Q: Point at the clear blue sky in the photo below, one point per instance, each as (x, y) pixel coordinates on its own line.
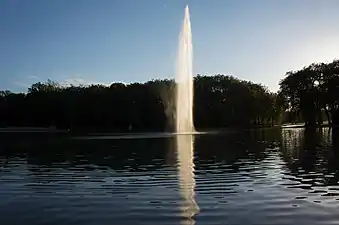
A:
(103, 41)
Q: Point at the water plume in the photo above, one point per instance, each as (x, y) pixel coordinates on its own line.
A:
(184, 79)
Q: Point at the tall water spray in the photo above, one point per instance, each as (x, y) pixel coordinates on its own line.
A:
(184, 79)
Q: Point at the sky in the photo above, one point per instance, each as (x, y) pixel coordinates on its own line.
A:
(106, 41)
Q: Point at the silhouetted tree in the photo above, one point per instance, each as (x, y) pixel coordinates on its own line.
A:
(219, 101)
(313, 92)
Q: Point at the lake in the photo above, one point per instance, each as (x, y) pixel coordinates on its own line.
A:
(267, 176)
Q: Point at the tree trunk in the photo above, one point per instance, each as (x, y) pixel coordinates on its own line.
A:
(268, 120)
(335, 119)
(319, 117)
(335, 138)
(328, 115)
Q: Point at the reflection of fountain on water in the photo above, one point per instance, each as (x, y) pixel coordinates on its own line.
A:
(185, 156)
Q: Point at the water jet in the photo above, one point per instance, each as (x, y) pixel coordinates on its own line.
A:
(184, 78)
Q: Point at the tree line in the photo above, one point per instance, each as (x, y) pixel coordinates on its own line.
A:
(219, 101)
(311, 94)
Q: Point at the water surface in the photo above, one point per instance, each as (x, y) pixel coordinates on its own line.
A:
(268, 176)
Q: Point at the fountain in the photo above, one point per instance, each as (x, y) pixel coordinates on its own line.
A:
(184, 121)
(184, 79)
(184, 92)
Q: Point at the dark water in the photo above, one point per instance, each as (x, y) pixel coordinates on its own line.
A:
(259, 177)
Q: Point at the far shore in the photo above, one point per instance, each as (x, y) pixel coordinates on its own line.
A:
(31, 130)
(198, 131)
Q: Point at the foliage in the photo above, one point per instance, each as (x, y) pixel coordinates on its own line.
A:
(313, 92)
(219, 101)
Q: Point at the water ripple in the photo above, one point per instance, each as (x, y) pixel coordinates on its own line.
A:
(277, 177)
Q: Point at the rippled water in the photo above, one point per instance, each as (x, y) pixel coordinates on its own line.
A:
(269, 176)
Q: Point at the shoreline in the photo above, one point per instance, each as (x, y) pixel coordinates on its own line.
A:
(31, 130)
(76, 132)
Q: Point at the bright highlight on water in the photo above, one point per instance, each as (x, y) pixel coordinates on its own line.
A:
(184, 79)
(185, 156)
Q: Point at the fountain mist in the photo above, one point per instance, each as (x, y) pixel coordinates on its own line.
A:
(184, 79)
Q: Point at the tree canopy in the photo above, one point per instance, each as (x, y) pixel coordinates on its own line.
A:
(313, 92)
(219, 101)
